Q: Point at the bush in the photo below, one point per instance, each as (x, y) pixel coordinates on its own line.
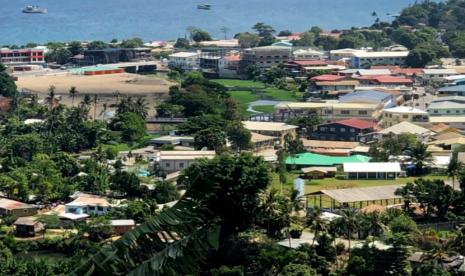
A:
(340, 247)
(296, 231)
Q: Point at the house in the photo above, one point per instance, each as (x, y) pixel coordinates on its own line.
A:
(457, 122)
(307, 54)
(344, 130)
(346, 53)
(447, 106)
(209, 64)
(318, 172)
(319, 160)
(148, 153)
(437, 75)
(366, 59)
(331, 111)
(85, 205)
(265, 57)
(369, 96)
(405, 127)
(385, 81)
(21, 56)
(274, 129)
(121, 226)
(334, 88)
(372, 170)
(328, 77)
(228, 66)
(187, 61)
(297, 67)
(28, 227)
(185, 141)
(372, 72)
(454, 90)
(173, 161)
(395, 115)
(16, 208)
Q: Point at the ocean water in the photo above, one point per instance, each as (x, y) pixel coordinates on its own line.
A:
(168, 19)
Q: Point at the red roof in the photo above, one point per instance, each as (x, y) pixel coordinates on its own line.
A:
(310, 62)
(407, 71)
(356, 123)
(233, 58)
(327, 77)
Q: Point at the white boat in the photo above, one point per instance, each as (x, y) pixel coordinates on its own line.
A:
(204, 6)
(34, 9)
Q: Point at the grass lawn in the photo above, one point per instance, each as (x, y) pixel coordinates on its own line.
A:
(239, 83)
(281, 95)
(244, 98)
(117, 147)
(264, 108)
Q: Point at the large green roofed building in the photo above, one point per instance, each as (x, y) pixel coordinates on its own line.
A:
(313, 159)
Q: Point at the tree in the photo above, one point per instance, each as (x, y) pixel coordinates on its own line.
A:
(263, 30)
(97, 45)
(7, 85)
(200, 35)
(306, 39)
(349, 223)
(165, 192)
(210, 138)
(169, 110)
(293, 145)
(126, 183)
(454, 168)
(75, 47)
(132, 43)
(418, 155)
(239, 136)
(131, 125)
(59, 55)
(73, 92)
(248, 40)
(182, 43)
(225, 31)
(298, 270)
(316, 224)
(419, 58)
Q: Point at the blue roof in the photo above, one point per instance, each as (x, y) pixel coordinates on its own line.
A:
(453, 88)
(371, 96)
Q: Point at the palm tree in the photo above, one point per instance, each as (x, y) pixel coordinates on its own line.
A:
(73, 93)
(116, 94)
(317, 224)
(95, 106)
(225, 31)
(270, 206)
(104, 111)
(418, 155)
(454, 167)
(439, 254)
(51, 94)
(141, 107)
(349, 222)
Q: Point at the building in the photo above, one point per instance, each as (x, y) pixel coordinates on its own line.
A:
(331, 111)
(85, 205)
(173, 161)
(454, 90)
(318, 172)
(457, 122)
(121, 226)
(334, 88)
(437, 75)
(187, 61)
(113, 55)
(28, 227)
(307, 54)
(21, 56)
(447, 106)
(303, 160)
(273, 129)
(344, 53)
(406, 127)
(262, 142)
(395, 115)
(209, 64)
(372, 170)
(373, 72)
(369, 96)
(265, 57)
(16, 208)
(334, 148)
(185, 141)
(229, 66)
(345, 130)
(385, 81)
(367, 59)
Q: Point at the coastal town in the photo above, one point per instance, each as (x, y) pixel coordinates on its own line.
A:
(323, 152)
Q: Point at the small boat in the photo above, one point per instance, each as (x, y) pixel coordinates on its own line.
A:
(204, 6)
(34, 9)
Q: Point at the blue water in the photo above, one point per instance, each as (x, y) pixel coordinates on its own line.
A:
(168, 19)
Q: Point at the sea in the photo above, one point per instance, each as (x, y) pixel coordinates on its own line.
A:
(168, 19)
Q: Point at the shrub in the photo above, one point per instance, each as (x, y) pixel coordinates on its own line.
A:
(295, 231)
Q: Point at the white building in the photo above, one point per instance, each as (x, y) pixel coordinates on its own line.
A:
(185, 60)
(438, 74)
(307, 54)
(372, 170)
(173, 161)
(366, 59)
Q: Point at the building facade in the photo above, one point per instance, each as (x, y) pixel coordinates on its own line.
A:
(21, 56)
(396, 115)
(265, 57)
(345, 130)
(367, 59)
(187, 61)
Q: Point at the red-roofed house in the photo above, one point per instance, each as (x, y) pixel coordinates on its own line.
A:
(387, 81)
(16, 208)
(327, 77)
(345, 130)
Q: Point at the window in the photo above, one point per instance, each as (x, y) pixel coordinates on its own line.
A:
(435, 112)
(99, 208)
(363, 112)
(322, 128)
(343, 129)
(332, 129)
(448, 111)
(405, 116)
(345, 112)
(167, 165)
(457, 111)
(352, 130)
(328, 112)
(181, 165)
(91, 208)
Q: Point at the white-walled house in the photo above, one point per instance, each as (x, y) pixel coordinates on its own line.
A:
(185, 60)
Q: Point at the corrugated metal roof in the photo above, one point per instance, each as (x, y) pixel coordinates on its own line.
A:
(313, 159)
(392, 167)
(362, 194)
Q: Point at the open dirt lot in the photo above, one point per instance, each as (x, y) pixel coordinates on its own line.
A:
(153, 88)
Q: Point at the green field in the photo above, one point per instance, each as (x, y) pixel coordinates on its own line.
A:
(281, 95)
(264, 108)
(240, 83)
(243, 98)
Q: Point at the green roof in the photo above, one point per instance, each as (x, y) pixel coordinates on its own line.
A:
(313, 159)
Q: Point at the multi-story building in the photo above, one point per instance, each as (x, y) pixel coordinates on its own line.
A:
(366, 59)
(344, 130)
(307, 54)
(447, 106)
(184, 60)
(273, 129)
(21, 56)
(453, 90)
(266, 57)
(437, 75)
(229, 66)
(396, 115)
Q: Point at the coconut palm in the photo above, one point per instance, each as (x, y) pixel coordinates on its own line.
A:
(73, 93)
(51, 94)
(349, 223)
(225, 31)
(317, 224)
(116, 94)
(439, 254)
(454, 167)
(95, 99)
(418, 155)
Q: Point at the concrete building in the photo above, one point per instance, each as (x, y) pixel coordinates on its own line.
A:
(185, 141)
(113, 55)
(405, 127)
(347, 53)
(437, 75)
(307, 54)
(395, 115)
(369, 96)
(457, 122)
(21, 56)
(366, 59)
(173, 161)
(447, 106)
(344, 130)
(372, 170)
(187, 61)
(454, 90)
(85, 205)
(273, 129)
(331, 111)
(229, 66)
(265, 57)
